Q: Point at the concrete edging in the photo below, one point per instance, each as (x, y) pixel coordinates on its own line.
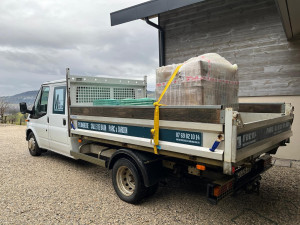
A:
(286, 163)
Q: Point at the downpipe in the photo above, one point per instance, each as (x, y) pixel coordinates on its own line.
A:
(161, 38)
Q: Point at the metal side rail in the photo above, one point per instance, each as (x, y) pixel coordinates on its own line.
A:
(91, 159)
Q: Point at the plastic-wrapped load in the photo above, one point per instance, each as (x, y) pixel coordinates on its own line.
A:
(208, 79)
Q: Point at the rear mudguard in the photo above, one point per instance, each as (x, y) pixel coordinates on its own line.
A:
(149, 165)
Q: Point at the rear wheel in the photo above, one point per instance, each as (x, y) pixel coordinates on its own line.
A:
(127, 181)
(33, 147)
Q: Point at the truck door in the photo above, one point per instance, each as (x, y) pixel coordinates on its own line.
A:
(58, 132)
(39, 117)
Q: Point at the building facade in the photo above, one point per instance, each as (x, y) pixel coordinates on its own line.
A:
(260, 36)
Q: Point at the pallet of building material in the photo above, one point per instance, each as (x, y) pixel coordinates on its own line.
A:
(208, 79)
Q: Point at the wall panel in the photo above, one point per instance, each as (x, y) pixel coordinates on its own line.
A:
(248, 33)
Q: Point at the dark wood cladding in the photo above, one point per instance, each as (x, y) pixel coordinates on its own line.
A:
(171, 114)
(248, 33)
(261, 108)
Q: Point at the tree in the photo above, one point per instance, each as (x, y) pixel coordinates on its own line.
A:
(3, 107)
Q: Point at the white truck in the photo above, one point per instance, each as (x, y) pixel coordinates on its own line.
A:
(230, 149)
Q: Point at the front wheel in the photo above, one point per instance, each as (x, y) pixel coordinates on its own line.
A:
(33, 147)
(127, 181)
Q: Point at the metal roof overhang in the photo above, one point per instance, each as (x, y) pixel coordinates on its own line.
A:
(288, 10)
(147, 9)
(290, 16)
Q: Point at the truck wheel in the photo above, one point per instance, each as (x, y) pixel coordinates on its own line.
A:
(127, 181)
(33, 146)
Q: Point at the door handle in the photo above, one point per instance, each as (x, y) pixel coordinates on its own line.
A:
(47, 119)
(64, 122)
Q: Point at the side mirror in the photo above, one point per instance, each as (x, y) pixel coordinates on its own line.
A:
(23, 108)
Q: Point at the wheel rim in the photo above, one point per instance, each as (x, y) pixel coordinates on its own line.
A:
(31, 144)
(125, 181)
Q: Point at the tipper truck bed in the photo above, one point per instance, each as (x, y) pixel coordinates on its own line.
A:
(228, 148)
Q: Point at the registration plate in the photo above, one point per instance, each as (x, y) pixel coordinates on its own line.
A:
(242, 172)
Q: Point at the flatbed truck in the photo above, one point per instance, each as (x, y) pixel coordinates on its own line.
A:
(229, 149)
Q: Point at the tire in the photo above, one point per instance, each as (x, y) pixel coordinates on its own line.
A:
(127, 181)
(33, 147)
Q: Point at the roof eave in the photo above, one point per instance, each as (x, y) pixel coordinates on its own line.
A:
(147, 9)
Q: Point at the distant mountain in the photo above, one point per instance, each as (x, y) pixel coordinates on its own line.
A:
(13, 101)
(28, 97)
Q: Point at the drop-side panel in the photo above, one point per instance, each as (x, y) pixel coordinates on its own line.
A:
(259, 137)
(201, 114)
(194, 142)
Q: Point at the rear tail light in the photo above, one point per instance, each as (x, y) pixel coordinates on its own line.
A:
(217, 191)
(233, 169)
(221, 191)
(201, 167)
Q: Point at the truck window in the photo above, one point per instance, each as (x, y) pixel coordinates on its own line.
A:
(41, 103)
(59, 98)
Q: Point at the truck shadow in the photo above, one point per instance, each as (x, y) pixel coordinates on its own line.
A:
(55, 156)
(272, 206)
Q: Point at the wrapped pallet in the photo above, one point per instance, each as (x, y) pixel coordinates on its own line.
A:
(208, 79)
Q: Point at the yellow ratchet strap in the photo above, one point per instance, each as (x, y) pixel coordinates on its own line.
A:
(155, 130)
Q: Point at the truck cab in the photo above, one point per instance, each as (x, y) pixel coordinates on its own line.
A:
(47, 122)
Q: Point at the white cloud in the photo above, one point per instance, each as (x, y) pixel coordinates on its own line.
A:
(39, 39)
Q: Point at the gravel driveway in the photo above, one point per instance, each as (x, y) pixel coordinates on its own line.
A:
(54, 189)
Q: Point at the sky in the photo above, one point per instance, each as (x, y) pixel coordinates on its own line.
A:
(41, 38)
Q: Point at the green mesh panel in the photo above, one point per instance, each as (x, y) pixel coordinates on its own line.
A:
(128, 101)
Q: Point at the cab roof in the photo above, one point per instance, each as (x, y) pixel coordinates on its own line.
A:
(55, 81)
